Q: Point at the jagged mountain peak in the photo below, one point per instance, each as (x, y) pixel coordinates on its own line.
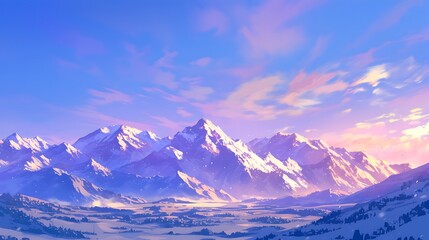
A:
(295, 136)
(122, 135)
(202, 129)
(66, 147)
(98, 168)
(118, 145)
(17, 142)
(13, 137)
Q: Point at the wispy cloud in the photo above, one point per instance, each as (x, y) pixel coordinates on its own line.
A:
(108, 96)
(172, 125)
(212, 19)
(198, 93)
(247, 71)
(416, 132)
(184, 113)
(373, 76)
(313, 84)
(160, 72)
(388, 19)
(247, 101)
(83, 45)
(319, 48)
(202, 62)
(102, 119)
(166, 60)
(269, 30)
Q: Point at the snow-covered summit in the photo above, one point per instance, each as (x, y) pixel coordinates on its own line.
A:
(115, 146)
(36, 144)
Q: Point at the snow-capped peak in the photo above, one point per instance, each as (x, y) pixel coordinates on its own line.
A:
(148, 135)
(68, 148)
(117, 145)
(204, 130)
(173, 152)
(207, 138)
(59, 172)
(98, 168)
(295, 138)
(17, 142)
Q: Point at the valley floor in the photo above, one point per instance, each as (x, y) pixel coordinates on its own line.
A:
(171, 221)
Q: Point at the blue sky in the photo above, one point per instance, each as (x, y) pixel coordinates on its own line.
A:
(354, 73)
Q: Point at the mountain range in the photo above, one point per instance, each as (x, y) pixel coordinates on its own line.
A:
(124, 164)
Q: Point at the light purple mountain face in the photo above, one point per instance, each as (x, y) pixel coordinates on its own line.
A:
(129, 161)
(176, 184)
(395, 208)
(116, 146)
(314, 199)
(20, 152)
(394, 183)
(56, 185)
(205, 152)
(322, 166)
(400, 168)
(64, 156)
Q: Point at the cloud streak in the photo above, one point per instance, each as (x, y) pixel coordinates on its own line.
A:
(108, 96)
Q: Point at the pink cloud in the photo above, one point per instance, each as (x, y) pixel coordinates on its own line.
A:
(267, 32)
(304, 89)
(212, 19)
(108, 96)
(166, 95)
(394, 15)
(202, 62)
(245, 101)
(101, 119)
(182, 112)
(172, 125)
(363, 59)
(83, 45)
(164, 78)
(388, 19)
(318, 48)
(417, 99)
(417, 38)
(305, 82)
(273, 42)
(166, 60)
(331, 88)
(66, 64)
(197, 93)
(378, 139)
(159, 72)
(246, 72)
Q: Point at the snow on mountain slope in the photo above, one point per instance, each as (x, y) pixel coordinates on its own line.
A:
(17, 142)
(285, 164)
(290, 171)
(64, 156)
(156, 187)
(164, 163)
(323, 166)
(400, 211)
(204, 151)
(54, 184)
(295, 146)
(15, 148)
(205, 191)
(205, 138)
(392, 184)
(118, 145)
